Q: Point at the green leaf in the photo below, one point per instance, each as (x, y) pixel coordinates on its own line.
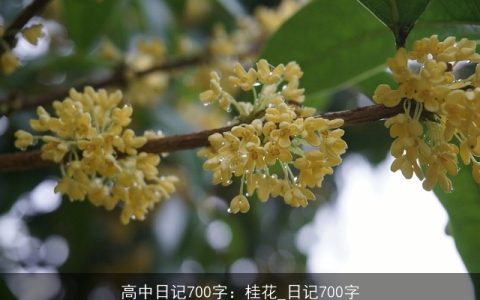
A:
(345, 40)
(177, 6)
(340, 44)
(460, 18)
(398, 15)
(461, 11)
(86, 20)
(463, 208)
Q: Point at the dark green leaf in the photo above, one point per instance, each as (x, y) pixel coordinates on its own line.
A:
(463, 208)
(355, 51)
(340, 44)
(460, 18)
(177, 6)
(86, 20)
(398, 15)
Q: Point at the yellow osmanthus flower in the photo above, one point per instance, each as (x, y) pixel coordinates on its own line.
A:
(98, 155)
(144, 89)
(229, 47)
(108, 51)
(33, 33)
(273, 140)
(8, 62)
(440, 111)
(23, 139)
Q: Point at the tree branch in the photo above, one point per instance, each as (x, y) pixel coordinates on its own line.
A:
(29, 160)
(27, 13)
(116, 78)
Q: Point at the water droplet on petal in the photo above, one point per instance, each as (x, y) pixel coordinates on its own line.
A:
(229, 211)
(247, 194)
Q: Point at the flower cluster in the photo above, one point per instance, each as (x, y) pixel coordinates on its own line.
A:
(440, 120)
(142, 89)
(99, 157)
(8, 61)
(268, 153)
(280, 86)
(227, 48)
(272, 19)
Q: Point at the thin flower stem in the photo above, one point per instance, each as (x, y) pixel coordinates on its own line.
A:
(242, 184)
(284, 169)
(290, 173)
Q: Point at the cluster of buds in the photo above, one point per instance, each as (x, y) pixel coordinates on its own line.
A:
(8, 61)
(144, 89)
(269, 153)
(280, 86)
(440, 120)
(99, 157)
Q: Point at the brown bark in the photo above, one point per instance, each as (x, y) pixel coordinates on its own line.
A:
(29, 160)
